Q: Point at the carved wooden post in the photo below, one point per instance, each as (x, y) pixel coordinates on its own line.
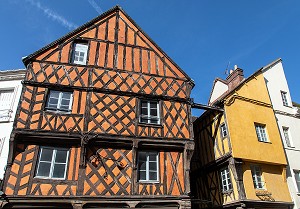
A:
(82, 164)
(188, 153)
(237, 168)
(134, 178)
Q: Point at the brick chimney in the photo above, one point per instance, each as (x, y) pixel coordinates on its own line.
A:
(235, 77)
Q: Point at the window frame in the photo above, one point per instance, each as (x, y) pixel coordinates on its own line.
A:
(227, 179)
(297, 175)
(80, 44)
(261, 136)
(287, 136)
(284, 98)
(58, 105)
(53, 158)
(5, 114)
(147, 167)
(257, 177)
(222, 130)
(149, 117)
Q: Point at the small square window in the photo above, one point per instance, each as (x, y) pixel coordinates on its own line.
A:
(261, 132)
(297, 178)
(223, 130)
(80, 53)
(286, 135)
(225, 180)
(284, 98)
(257, 177)
(59, 101)
(148, 166)
(52, 163)
(149, 112)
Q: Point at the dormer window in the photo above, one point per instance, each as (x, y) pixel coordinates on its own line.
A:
(80, 53)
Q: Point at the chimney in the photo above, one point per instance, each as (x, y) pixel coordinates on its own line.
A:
(235, 77)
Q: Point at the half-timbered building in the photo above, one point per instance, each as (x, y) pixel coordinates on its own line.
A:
(104, 120)
(239, 161)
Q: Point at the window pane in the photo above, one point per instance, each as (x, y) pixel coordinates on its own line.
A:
(152, 175)
(144, 111)
(155, 121)
(142, 165)
(66, 95)
(143, 120)
(54, 94)
(61, 156)
(152, 166)
(65, 102)
(142, 175)
(59, 171)
(46, 155)
(153, 105)
(44, 169)
(144, 104)
(153, 112)
(142, 156)
(152, 156)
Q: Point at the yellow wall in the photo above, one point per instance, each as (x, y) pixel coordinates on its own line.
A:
(241, 115)
(274, 178)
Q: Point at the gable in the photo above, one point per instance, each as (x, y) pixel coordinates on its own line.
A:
(115, 42)
(219, 88)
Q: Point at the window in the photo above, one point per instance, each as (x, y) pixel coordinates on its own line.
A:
(297, 178)
(149, 112)
(257, 177)
(2, 140)
(80, 53)
(286, 136)
(60, 100)
(148, 166)
(52, 163)
(223, 130)
(261, 132)
(284, 98)
(6, 99)
(225, 179)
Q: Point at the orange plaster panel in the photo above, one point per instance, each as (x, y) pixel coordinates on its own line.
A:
(65, 53)
(130, 36)
(120, 57)
(92, 54)
(89, 34)
(54, 57)
(111, 29)
(128, 64)
(145, 65)
(137, 64)
(46, 53)
(101, 31)
(101, 58)
(110, 56)
(152, 63)
(121, 35)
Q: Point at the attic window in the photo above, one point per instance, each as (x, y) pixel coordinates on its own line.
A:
(79, 54)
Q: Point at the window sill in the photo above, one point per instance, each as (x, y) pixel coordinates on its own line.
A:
(268, 142)
(148, 182)
(151, 124)
(58, 112)
(227, 192)
(298, 193)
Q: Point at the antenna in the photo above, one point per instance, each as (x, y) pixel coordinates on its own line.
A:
(226, 71)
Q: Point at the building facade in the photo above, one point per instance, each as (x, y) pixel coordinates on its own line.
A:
(288, 119)
(239, 161)
(10, 90)
(104, 121)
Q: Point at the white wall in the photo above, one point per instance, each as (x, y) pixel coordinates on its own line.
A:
(6, 123)
(285, 115)
(219, 88)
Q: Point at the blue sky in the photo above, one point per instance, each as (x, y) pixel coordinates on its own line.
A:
(201, 36)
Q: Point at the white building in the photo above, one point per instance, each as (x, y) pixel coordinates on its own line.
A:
(288, 119)
(10, 91)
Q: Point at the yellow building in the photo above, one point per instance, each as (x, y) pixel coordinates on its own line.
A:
(239, 161)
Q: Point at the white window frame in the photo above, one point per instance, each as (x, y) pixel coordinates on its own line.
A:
(149, 117)
(257, 177)
(147, 153)
(287, 136)
(58, 105)
(80, 48)
(297, 179)
(54, 151)
(261, 132)
(284, 98)
(224, 131)
(5, 112)
(226, 180)
(2, 141)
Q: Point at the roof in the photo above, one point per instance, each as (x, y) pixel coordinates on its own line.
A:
(260, 70)
(91, 22)
(15, 74)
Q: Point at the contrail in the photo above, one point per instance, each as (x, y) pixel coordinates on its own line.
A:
(95, 6)
(53, 15)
